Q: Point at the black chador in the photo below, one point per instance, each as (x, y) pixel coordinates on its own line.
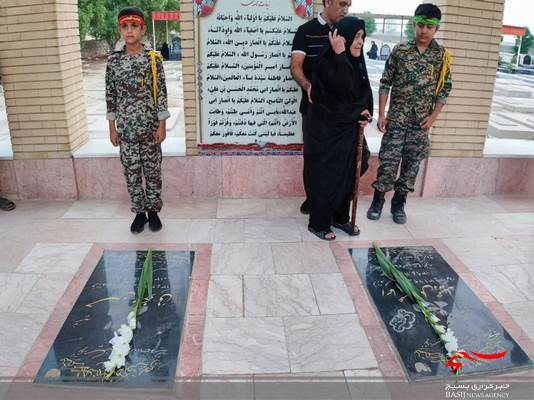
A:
(340, 92)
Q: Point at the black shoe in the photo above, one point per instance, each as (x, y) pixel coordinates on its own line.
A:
(397, 207)
(375, 210)
(347, 228)
(154, 223)
(322, 234)
(138, 223)
(305, 207)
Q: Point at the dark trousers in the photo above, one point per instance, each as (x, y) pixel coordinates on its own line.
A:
(304, 157)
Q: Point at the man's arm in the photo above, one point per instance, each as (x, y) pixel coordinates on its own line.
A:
(385, 86)
(111, 94)
(441, 100)
(298, 55)
(382, 101)
(161, 133)
(111, 105)
(163, 112)
(297, 72)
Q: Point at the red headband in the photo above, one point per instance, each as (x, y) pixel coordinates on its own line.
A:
(136, 19)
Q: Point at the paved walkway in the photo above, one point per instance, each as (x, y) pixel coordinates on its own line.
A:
(278, 302)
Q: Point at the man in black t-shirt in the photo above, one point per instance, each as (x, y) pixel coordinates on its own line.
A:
(307, 44)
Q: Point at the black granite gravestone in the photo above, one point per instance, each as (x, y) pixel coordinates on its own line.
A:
(82, 345)
(450, 299)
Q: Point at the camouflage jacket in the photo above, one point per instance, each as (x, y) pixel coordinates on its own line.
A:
(412, 78)
(130, 95)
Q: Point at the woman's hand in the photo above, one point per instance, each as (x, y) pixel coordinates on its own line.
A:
(365, 122)
(337, 42)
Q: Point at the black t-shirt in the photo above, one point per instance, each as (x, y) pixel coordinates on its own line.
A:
(309, 39)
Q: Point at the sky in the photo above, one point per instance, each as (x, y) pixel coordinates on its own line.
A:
(516, 12)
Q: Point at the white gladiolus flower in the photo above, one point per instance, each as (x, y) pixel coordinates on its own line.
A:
(118, 359)
(126, 332)
(123, 336)
(109, 366)
(130, 316)
(434, 318)
(439, 329)
(121, 348)
(451, 347)
(451, 343)
(118, 340)
(132, 322)
(448, 336)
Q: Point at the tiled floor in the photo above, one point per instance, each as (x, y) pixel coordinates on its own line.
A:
(278, 302)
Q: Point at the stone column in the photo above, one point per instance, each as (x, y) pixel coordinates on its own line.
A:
(187, 28)
(471, 30)
(41, 71)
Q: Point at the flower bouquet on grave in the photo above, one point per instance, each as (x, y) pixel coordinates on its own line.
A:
(123, 336)
(445, 334)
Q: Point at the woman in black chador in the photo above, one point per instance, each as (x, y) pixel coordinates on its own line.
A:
(341, 101)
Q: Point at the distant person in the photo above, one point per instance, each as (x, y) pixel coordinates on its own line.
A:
(373, 52)
(136, 98)
(527, 60)
(307, 44)
(165, 51)
(418, 75)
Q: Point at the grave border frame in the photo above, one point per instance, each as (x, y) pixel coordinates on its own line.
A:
(389, 362)
(189, 363)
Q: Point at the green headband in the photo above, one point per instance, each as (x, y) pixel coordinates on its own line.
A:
(421, 19)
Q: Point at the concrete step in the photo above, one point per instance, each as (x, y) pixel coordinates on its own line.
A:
(500, 126)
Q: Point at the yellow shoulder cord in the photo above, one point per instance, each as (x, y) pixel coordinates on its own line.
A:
(445, 68)
(153, 56)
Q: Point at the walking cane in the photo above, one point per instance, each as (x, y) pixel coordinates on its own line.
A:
(359, 151)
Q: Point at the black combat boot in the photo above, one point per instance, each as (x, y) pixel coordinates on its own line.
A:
(397, 207)
(154, 223)
(138, 223)
(375, 210)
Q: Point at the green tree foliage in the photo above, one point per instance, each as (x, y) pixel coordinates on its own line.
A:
(409, 31)
(98, 18)
(370, 24)
(91, 12)
(527, 42)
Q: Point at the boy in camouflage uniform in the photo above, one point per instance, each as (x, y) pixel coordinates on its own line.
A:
(136, 99)
(418, 75)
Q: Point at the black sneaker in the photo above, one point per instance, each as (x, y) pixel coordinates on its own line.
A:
(154, 223)
(138, 223)
(397, 207)
(375, 210)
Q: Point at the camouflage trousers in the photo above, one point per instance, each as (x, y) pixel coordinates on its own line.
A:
(405, 144)
(142, 160)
